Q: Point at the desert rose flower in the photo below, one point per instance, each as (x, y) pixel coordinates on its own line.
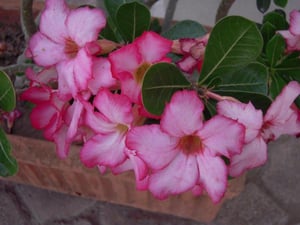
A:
(183, 152)
(292, 36)
(130, 62)
(60, 41)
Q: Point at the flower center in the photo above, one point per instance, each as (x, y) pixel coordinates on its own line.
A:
(71, 48)
(190, 144)
(122, 128)
(140, 72)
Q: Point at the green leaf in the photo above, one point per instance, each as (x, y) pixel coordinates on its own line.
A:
(275, 49)
(276, 85)
(277, 20)
(185, 29)
(263, 5)
(7, 93)
(234, 42)
(8, 165)
(112, 7)
(267, 30)
(110, 32)
(132, 20)
(251, 79)
(281, 3)
(161, 81)
(290, 67)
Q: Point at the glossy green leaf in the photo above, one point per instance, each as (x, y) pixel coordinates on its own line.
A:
(277, 20)
(251, 79)
(7, 93)
(276, 85)
(290, 67)
(132, 20)
(268, 30)
(112, 6)
(161, 81)
(185, 29)
(275, 50)
(281, 3)
(263, 5)
(8, 165)
(234, 43)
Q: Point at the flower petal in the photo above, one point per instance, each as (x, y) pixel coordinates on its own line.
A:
(179, 176)
(104, 149)
(77, 113)
(222, 136)
(42, 115)
(44, 51)
(61, 142)
(153, 146)
(294, 22)
(36, 95)
(213, 176)
(183, 115)
(152, 46)
(281, 117)
(245, 114)
(52, 23)
(254, 154)
(116, 108)
(84, 24)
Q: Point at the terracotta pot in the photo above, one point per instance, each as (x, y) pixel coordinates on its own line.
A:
(40, 167)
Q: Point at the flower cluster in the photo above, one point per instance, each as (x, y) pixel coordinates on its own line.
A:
(89, 91)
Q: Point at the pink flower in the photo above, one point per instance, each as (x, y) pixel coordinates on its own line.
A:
(183, 152)
(193, 50)
(61, 41)
(110, 123)
(292, 36)
(254, 152)
(130, 62)
(282, 116)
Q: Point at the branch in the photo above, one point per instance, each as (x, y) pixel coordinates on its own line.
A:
(27, 20)
(223, 9)
(169, 14)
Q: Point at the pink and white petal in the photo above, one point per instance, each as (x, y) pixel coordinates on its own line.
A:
(62, 143)
(104, 149)
(156, 148)
(47, 75)
(44, 51)
(186, 44)
(125, 59)
(197, 190)
(213, 176)
(294, 22)
(98, 123)
(254, 154)
(222, 136)
(187, 64)
(102, 76)
(152, 46)
(42, 115)
(183, 115)
(82, 72)
(292, 41)
(66, 82)
(53, 18)
(116, 108)
(131, 89)
(84, 24)
(180, 175)
(77, 114)
(245, 114)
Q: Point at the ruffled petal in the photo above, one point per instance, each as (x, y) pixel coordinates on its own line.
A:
(179, 176)
(254, 154)
(131, 89)
(44, 51)
(53, 18)
(183, 115)
(116, 108)
(213, 176)
(36, 95)
(42, 115)
(77, 114)
(84, 24)
(62, 143)
(245, 114)
(66, 82)
(152, 46)
(222, 136)
(153, 146)
(105, 150)
(281, 117)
